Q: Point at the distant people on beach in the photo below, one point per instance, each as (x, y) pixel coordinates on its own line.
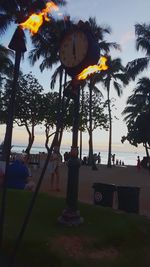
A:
(55, 162)
(138, 163)
(99, 158)
(119, 162)
(18, 174)
(94, 159)
(113, 159)
(85, 161)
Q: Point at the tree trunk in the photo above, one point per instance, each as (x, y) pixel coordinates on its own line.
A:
(30, 140)
(47, 137)
(59, 108)
(81, 114)
(90, 148)
(110, 126)
(80, 145)
(90, 127)
(61, 115)
(60, 136)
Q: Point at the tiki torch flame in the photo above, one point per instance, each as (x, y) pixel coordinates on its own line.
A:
(34, 22)
(92, 69)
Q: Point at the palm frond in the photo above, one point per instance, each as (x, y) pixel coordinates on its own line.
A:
(122, 77)
(105, 47)
(5, 21)
(118, 88)
(55, 75)
(136, 66)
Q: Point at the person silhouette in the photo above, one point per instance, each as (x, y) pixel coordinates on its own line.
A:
(55, 161)
(138, 163)
(18, 173)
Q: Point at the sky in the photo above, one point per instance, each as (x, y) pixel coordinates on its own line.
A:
(121, 16)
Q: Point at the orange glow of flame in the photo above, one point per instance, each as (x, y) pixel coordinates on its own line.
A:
(34, 22)
(92, 69)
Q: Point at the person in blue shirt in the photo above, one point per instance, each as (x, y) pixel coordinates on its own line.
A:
(18, 173)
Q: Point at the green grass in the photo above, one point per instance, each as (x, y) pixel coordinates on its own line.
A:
(103, 231)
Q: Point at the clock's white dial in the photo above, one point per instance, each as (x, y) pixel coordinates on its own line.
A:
(73, 49)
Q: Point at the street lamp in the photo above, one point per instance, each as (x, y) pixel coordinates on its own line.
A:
(78, 50)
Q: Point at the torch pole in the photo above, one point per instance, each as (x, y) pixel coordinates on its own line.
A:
(19, 47)
(7, 142)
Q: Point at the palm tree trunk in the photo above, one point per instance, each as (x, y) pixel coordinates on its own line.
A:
(90, 148)
(81, 114)
(59, 109)
(61, 115)
(90, 127)
(80, 145)
(110, 127)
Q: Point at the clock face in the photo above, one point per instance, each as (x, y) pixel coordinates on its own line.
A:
(73, 49)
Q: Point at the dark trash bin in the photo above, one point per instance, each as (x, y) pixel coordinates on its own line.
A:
(128, 198)
(103, 194)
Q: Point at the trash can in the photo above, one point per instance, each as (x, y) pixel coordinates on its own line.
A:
(103, 194)
(128, 198)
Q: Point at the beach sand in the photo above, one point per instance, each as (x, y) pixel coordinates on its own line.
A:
(118, 175)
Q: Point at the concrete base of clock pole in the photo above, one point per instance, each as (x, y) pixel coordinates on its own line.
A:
(71, 215)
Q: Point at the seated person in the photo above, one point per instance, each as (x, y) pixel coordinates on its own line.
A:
(18, 174)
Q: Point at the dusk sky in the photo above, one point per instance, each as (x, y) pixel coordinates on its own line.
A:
(121, 16)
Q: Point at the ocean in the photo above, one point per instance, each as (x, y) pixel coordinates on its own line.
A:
(129, 158)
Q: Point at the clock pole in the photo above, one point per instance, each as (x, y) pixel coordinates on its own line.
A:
(71, 215)
(78, 50)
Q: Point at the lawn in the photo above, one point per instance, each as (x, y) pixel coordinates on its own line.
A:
(107, 238)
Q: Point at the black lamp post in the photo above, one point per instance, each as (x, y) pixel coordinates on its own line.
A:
(17, 44)
(78, 50)
(71, 215)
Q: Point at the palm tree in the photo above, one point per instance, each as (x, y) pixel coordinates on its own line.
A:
(139, 101)
(60, 106)
(142, 32)
(46, 46)
(114, 74)
(138, 104)
(93, 90)
(105, 47)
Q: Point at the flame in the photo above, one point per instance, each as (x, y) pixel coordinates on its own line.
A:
(92, 69)
(34, 22)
